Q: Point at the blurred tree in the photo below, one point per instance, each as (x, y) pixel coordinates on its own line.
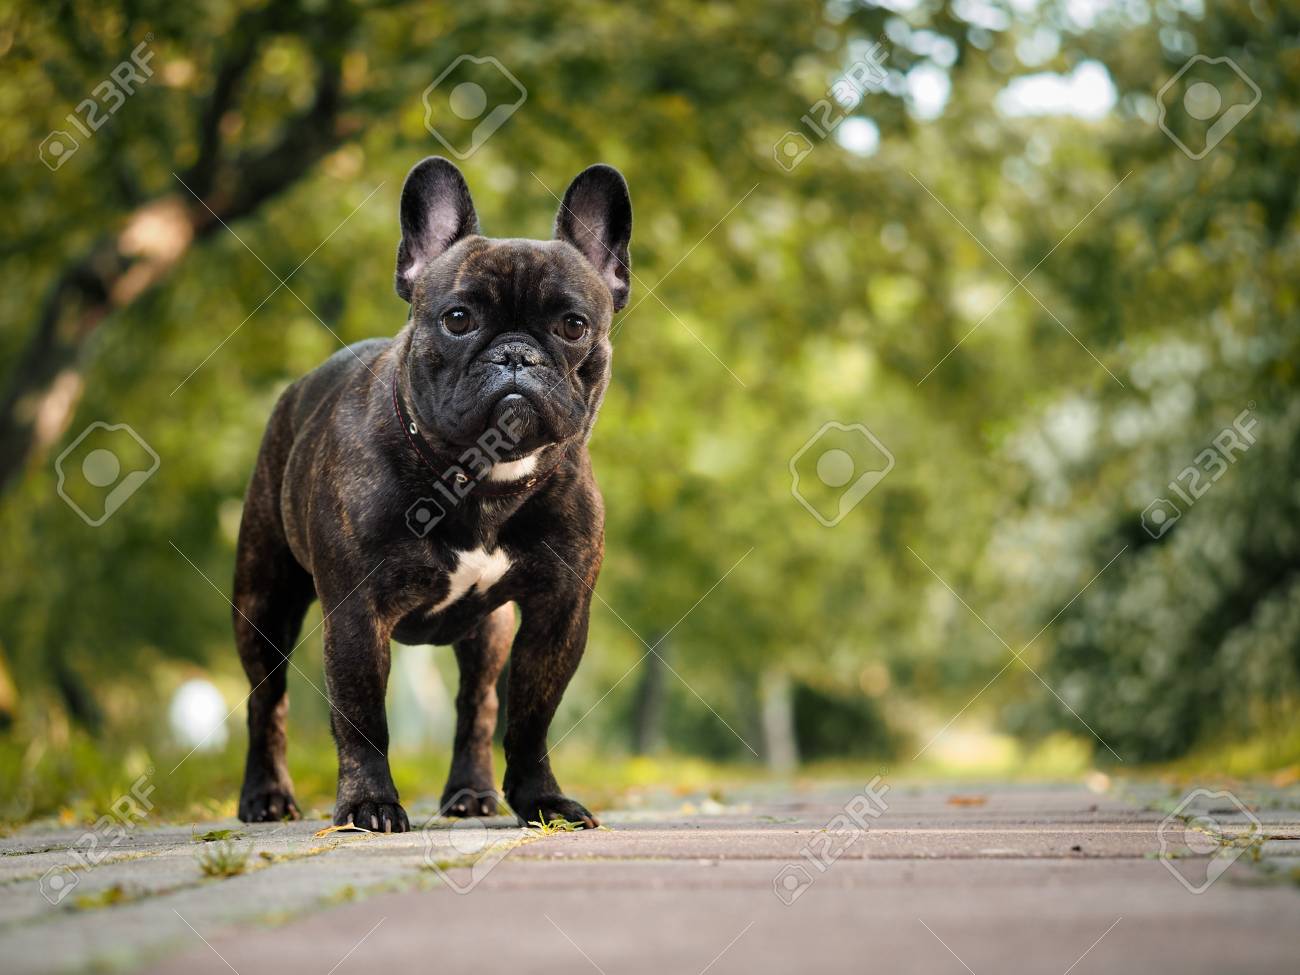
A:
(872, 280)
(140, 230)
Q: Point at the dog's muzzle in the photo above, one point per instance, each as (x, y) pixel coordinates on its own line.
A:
(515, 356)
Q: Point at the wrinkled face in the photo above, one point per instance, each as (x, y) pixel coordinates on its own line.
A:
(510, 336)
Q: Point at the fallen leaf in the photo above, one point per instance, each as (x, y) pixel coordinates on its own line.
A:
(1287, 777)
(345, 828)
(214, 835)
(967, 800)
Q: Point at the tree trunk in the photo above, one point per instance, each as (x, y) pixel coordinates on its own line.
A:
(776, 703)
(650, 703)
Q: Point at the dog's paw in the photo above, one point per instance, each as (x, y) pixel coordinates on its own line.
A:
(270, 805)
(372, 814)
(461, 802)
(544, 808)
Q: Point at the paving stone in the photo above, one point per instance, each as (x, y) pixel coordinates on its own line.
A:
(1008, 877)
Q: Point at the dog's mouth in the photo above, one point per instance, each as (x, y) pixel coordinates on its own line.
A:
(511, 402)
(510, 428)
(519, 423)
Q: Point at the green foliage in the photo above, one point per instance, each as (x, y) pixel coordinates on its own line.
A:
(830, 725)
(845, 290)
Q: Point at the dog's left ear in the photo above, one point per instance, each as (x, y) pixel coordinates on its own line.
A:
(596, 218)
(436, 211)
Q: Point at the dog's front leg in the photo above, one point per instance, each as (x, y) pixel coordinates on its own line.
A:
(546, 651)
(357, 659)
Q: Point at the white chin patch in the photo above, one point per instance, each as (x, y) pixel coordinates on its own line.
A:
(513, 470)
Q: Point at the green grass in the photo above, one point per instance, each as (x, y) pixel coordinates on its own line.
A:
(79, 780)
(80, 783)
(556, 825)
(216, 835)
(1273, 756)
(108, 897)
(223, 859)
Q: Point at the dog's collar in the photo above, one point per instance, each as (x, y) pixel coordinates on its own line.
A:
(448, 469)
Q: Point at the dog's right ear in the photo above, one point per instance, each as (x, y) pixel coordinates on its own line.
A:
(436, 211)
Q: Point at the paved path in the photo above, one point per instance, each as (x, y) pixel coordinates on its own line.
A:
(1009, 879)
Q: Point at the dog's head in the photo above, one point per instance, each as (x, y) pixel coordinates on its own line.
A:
(510, 334)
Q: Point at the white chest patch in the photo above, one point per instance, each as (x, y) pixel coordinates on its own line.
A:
(514, 470)
(476, 569)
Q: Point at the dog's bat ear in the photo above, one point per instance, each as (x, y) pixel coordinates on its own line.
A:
(436, 211)
(596, 218)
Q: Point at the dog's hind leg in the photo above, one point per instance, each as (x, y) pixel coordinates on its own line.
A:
(271, 596)
(471, 783)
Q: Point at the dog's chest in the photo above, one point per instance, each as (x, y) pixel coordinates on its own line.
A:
(476, 570)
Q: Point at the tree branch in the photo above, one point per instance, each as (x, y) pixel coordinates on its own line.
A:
(117, 270)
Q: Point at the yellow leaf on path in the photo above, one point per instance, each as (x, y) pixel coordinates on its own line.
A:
(967, 800)
(345, 828)
(1287, 777)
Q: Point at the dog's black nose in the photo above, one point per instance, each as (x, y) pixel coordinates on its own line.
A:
(514, 355)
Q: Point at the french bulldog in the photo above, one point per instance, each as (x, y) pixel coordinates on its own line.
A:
(422, 487)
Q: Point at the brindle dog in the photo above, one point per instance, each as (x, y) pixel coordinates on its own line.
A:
(423, 486)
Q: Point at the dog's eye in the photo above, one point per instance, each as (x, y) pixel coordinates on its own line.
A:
(458, 321)
(572, 327)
